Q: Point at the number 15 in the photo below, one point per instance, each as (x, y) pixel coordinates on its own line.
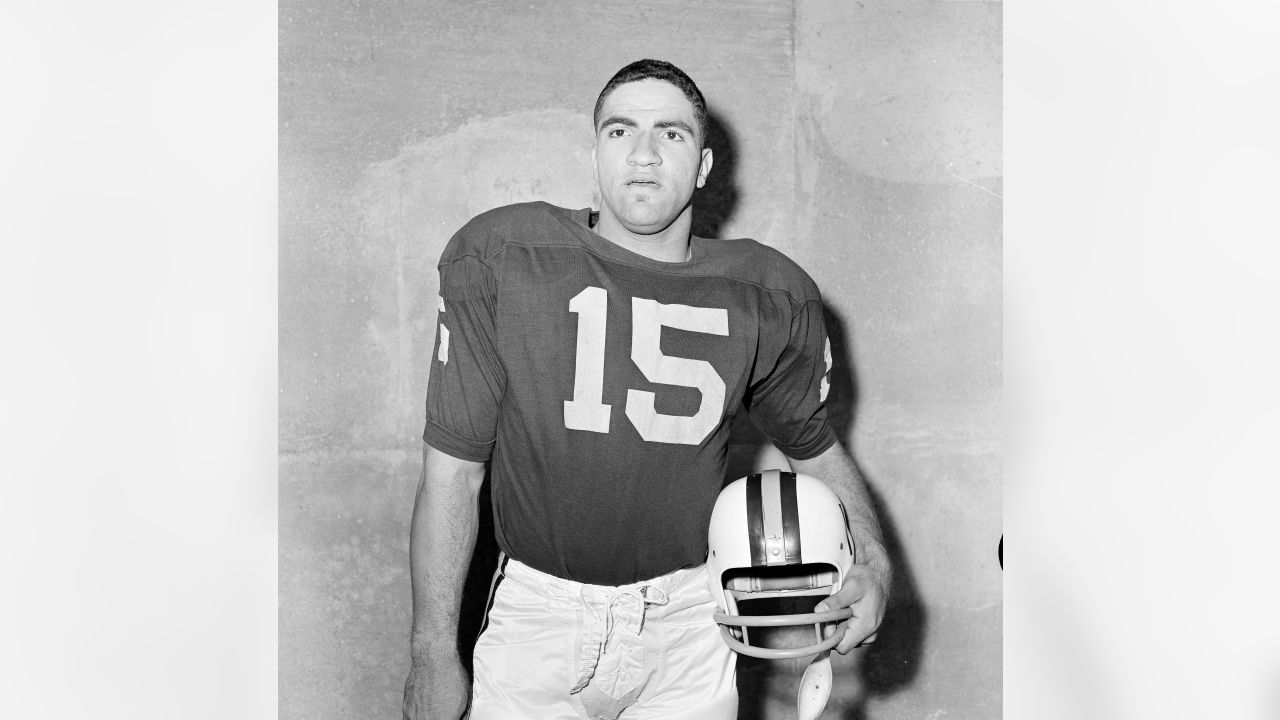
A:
(587, 411)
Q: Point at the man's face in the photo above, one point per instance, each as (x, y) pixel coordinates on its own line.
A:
(648, 156)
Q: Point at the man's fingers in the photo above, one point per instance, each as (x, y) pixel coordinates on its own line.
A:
(865, 598)
(860, 629)
(850, 593)
(843, 598)
(856, 632)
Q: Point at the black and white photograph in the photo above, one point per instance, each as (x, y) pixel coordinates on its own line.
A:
(603, 260)
(866, 360)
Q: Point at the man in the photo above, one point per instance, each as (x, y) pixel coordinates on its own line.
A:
(594, 363)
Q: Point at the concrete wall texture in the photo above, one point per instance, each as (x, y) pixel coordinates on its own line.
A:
(862, 138)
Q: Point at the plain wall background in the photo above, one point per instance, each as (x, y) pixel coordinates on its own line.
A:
(863, 139)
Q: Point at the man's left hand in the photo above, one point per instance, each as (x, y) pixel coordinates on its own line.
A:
(865, 591)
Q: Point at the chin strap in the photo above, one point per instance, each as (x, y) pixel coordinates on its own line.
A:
(815, 687)
(815, 684)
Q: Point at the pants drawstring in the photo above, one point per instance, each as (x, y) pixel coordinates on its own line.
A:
(625, 605)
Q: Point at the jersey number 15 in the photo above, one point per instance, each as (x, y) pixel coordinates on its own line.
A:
(587, 411)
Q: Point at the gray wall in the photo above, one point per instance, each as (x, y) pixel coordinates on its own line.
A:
(861, 138)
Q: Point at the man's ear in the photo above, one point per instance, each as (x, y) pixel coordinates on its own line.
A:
(595, 169)
(704, 168)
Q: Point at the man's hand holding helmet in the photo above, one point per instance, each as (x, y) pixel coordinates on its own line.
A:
(863, 593)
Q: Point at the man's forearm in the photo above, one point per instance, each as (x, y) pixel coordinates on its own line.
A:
(442, 536)
(837, 468)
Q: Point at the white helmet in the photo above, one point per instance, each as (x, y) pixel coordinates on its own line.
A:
(777, 534)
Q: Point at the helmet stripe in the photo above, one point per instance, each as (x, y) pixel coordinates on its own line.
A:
(773, 518)
(771, 493)
(755, 519)
(790, 518)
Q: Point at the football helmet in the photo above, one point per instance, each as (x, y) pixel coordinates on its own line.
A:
(777, 534)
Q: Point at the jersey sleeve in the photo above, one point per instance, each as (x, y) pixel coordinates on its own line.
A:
(789, 403)
(467, 381)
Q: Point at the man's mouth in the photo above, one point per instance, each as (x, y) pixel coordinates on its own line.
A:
(643, 182)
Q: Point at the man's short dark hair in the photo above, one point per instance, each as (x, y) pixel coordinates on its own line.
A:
(658, 70)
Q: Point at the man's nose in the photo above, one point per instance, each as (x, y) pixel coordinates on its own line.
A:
(644, 152)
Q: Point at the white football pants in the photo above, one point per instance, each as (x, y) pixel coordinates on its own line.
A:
(553, 649)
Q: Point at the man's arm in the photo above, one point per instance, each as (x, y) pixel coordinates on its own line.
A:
(866, 589)
(442, 536)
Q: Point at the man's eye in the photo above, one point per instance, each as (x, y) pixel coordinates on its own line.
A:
(617, 132)
(673, 135)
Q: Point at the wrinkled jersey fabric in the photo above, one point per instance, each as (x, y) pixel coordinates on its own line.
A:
(601, 384)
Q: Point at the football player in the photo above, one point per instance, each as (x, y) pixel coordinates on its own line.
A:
(593, 361)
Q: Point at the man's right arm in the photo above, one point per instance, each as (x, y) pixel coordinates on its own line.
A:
(442, 536)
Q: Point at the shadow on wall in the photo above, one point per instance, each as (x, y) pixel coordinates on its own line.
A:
(715, 203)
(768, 688)
(893, 661)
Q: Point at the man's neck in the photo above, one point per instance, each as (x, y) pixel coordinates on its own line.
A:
(669, 245)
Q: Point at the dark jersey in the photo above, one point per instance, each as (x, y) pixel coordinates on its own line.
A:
(600, 384)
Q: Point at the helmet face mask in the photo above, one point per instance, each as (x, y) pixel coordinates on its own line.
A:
(775, 536)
